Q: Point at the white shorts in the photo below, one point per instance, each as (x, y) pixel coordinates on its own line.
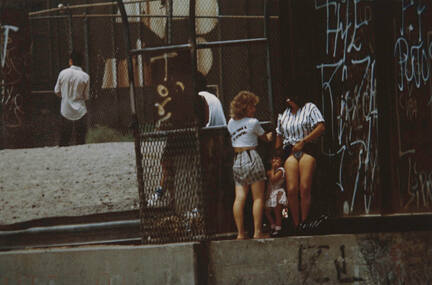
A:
(273, 201)
(248, 168)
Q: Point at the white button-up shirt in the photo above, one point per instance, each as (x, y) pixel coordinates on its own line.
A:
(73, 85)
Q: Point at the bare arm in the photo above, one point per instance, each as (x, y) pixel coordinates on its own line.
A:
(275, 175)
(278, 143)
(316, 133)
(267, 137)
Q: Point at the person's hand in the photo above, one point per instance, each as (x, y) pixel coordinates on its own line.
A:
(298, 146)
(269, 136)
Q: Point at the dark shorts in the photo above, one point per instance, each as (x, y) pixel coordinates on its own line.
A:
(309, 148)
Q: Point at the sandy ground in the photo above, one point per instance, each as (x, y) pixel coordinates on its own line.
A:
(69, 181)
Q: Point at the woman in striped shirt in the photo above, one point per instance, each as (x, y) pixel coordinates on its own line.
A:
(298, 129)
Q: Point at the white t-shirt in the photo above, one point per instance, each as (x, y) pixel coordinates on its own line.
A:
(294, 127)
(216, 113)
(73, 84)
(245, 132)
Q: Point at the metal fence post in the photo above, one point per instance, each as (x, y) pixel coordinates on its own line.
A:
(268, 62)
(134, 116)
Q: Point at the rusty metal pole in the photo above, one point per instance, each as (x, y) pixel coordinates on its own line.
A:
(268, 61)
(134, 117)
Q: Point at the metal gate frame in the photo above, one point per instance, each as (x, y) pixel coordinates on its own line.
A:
(192, 46)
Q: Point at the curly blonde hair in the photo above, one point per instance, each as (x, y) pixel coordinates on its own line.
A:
(240, 103)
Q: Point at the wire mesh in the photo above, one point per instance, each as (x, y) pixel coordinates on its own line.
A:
(174, 202)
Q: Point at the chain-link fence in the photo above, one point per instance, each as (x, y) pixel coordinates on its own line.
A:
(95, 29)
(181, 167)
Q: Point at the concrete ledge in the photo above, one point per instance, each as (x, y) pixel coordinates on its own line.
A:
(385, 258)
(391, 258)
(167, 264)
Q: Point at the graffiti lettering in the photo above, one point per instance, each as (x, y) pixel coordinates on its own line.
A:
(308, 257)
(419, 186)
(413, 59)
(413, 55)
(350, 72)
(4, 30)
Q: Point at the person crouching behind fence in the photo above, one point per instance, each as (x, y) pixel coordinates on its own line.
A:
(248, 168)
(276, 198)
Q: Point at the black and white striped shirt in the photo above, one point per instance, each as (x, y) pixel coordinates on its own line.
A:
(294, 127)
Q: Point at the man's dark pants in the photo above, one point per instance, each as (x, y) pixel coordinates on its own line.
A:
(66, 127)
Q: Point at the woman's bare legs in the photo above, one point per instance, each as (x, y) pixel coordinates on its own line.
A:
(238, 209)
(307, 165)
(258, 207)
(292, 187)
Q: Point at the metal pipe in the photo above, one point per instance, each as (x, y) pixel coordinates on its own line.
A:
(86, 45)
(169, 22)
(70, 228)
(268, 62)
(160, 49)
(71, 47)
(69, 244)
(135, 124)
(257, 17)
(231, 43)
(169, 48)
(85, 6)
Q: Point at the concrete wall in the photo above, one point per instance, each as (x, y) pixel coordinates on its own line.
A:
(114, 265)
(396, 258)
(391, 258)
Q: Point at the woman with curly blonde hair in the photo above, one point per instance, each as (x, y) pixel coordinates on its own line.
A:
(248, 168)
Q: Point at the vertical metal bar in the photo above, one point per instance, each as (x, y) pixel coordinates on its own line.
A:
(221, 70)
(268, 61)
(115, 70)
(50, 51)
(71, 46)
(169, 22)
(86, 40)
(248, 47)
(86, 44)
(2, 94)
(192, 41)
(135, 125)
(385, 90)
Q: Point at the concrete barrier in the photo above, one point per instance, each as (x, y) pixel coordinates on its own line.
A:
(387, 258)
(391, 258)
(114, 265)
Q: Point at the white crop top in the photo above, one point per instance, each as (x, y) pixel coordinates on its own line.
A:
(245, 132)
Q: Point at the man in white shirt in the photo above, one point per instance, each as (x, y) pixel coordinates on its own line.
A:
(73, 86)
(214, 113)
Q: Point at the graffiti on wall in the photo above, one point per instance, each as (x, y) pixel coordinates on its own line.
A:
(12, 73)
(348, 88)
(372, 259)
(413, 102)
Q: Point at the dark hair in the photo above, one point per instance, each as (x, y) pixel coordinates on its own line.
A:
(201, 82)
(77, 58)
(300, 100)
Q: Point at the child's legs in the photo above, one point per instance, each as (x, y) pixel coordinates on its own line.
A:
(278, 211)
(238, 208)
(268, 212)
(258, 206)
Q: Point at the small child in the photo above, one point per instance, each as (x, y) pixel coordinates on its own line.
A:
(276, 196)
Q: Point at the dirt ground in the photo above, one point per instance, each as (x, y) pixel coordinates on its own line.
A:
(68, 181)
